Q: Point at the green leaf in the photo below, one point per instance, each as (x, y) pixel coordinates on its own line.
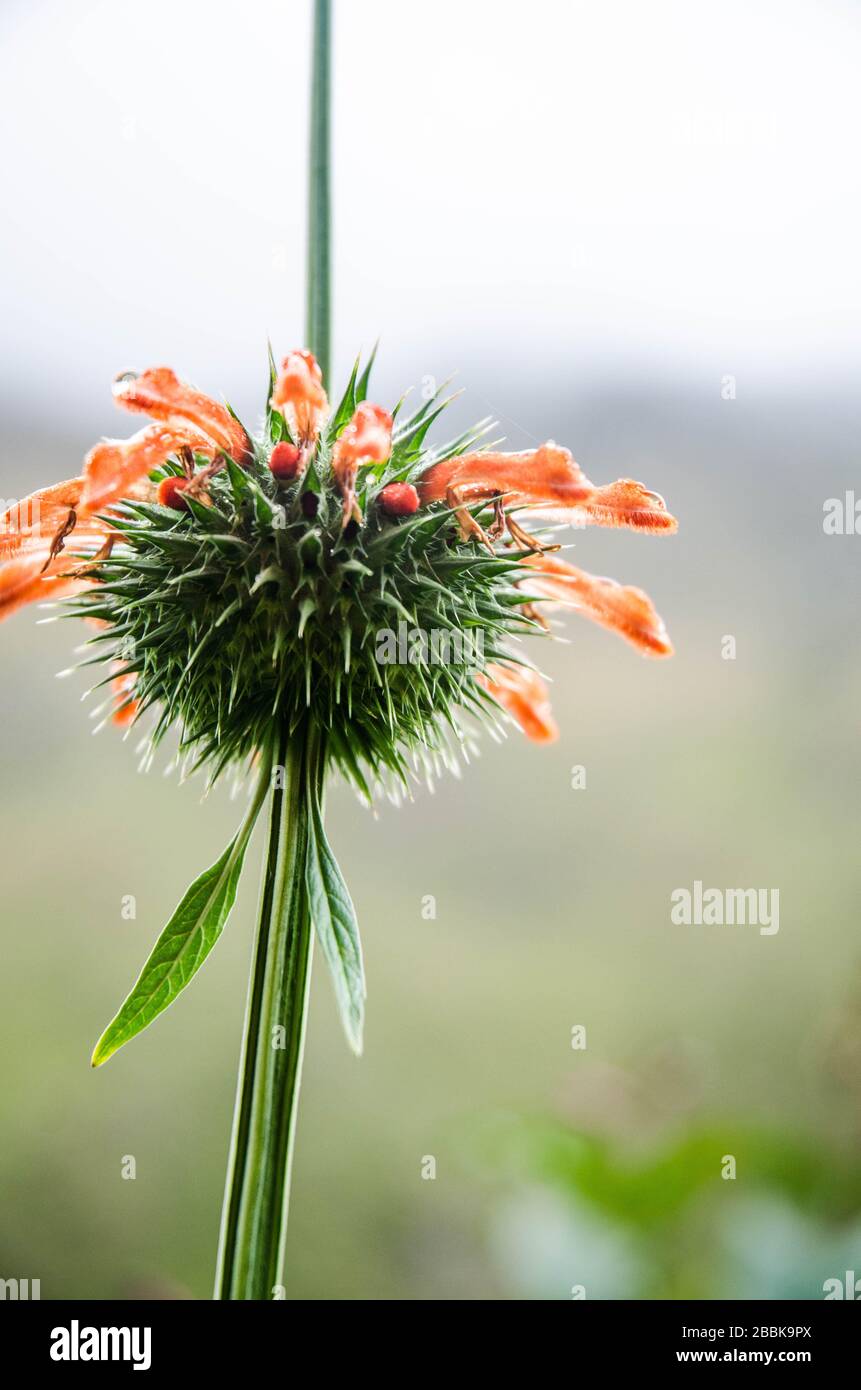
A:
(345, 409)
(238, 482)
(365, 378)
(263, 509)
(276, 426)
(334, 919)
(186, 941)
(273, 372)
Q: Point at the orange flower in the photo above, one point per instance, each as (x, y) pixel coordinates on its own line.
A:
(33, 535)
(547, 478)
(545, 475)
(522, 692)
(159, 393)
(300, 397)
(24, 580)
(114, 468)
(25, 524)
(75, 517)
(549, 481)
(75, 514)
(625, 610)
(367, 439)
(189, 420)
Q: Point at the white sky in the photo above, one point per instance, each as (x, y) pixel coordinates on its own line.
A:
(669, 183)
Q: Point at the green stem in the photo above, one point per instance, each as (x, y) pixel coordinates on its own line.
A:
(254, 1216)
(318, 323)
(254, 1219)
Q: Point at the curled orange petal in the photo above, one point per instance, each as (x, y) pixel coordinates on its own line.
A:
(621, 608)
(524, 695)
(160, 393)
(628, 503)
(112, 468)
(367, 439)
(300, 396)
(550, 479)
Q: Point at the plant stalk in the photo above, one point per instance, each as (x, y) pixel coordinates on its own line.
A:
(254, 1215)
(254, 1218)
(318, 322)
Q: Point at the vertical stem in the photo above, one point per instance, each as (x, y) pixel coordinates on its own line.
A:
(318, 324)
(254, 1218)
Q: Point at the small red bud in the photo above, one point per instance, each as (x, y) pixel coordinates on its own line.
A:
(284, 462)
(399, 499)
(170, 492)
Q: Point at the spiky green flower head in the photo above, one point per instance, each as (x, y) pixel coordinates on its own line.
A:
(301, 585)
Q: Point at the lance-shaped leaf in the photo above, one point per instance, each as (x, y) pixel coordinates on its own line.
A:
(334, 919)
(187, 939)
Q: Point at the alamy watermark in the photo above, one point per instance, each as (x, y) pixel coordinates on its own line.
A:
(841, 516)
(20, 1289)
(20, 518)
(847, 1287)
(731, 907)
(77, 1343)
(437, 646)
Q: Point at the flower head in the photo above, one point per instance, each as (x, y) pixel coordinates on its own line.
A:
(230, 593)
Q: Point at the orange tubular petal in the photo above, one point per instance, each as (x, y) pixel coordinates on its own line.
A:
(22, 581)
(30, 571)
(524, 695)
(548, 476)
(300, 396)
(160, 393)
(29, 525)
(625, 610)
(367, 439)
(550, 479)
(113, 467)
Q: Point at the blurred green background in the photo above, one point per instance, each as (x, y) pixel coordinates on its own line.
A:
(553, 909)
(595, 214)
